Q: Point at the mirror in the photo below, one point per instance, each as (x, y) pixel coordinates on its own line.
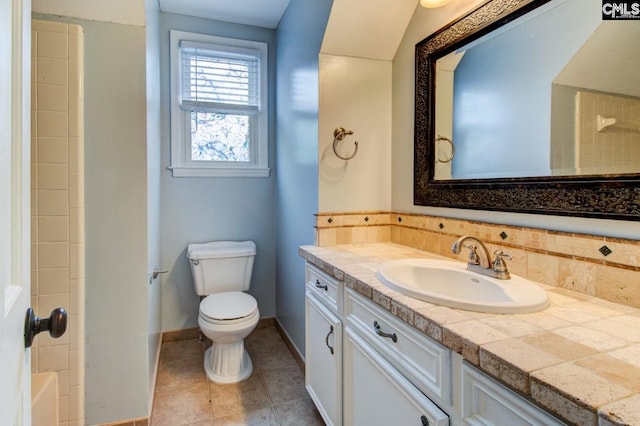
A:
(572, 115)
(530, 106)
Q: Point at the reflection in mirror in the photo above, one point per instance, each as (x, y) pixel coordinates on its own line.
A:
(571, 169)
(538, 97)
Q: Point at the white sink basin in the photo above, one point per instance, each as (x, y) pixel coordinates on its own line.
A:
(449, 283)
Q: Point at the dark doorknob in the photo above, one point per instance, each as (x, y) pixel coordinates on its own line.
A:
(56, 324)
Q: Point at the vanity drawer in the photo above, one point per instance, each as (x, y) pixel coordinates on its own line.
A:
(326, 288)
(485, 401)
(424, 362)
(375, 393)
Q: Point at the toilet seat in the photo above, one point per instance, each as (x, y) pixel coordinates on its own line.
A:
(228, 307)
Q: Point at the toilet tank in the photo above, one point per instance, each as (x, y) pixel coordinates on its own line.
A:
(221, 266)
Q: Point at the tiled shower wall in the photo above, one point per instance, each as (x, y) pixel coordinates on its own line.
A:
(57, 206)
(614, 149)
(598, 266)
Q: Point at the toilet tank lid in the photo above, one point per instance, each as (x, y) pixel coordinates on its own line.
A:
(221, 249)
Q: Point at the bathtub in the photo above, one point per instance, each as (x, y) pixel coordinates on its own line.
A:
(44, 399)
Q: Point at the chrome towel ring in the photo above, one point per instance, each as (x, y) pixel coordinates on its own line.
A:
(453, 149)
(339, 134)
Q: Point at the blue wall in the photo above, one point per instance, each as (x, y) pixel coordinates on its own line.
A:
(299, 38)
(506, 125)
(205, 209)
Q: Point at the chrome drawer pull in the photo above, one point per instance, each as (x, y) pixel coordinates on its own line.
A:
(424, 420)
(326, 339)
(379, 332)
(324, 287)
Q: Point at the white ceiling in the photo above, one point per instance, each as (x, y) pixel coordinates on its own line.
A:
(362, 28)
(259, 13)
(370, 29)
(606, 62)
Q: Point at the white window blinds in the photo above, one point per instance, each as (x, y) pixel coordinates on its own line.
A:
(219, 79)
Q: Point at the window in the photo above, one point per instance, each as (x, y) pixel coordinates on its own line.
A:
(218, 106)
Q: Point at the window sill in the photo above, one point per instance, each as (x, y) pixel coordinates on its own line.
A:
(218, 172)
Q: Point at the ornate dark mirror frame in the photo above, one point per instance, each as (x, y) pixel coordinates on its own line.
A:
(607, 196)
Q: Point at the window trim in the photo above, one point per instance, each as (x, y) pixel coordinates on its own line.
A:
(181, 164)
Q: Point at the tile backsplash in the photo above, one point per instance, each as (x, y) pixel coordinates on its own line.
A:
(598, 266)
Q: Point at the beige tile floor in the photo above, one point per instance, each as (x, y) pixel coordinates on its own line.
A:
(273, 395)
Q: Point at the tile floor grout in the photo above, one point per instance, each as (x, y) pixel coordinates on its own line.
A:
(274, 394)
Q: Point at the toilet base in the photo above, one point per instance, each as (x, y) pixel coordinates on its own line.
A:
(227, 362)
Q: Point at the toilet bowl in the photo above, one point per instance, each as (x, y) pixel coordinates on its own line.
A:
(221, 274)
(227, 318)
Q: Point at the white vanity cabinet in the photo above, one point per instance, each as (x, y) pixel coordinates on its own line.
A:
(364, 366)
(323, 344)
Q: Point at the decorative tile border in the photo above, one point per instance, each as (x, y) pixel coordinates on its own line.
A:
(599, 266)
(352, 228)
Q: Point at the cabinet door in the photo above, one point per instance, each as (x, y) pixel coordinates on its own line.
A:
(375, 393)
(323, 367)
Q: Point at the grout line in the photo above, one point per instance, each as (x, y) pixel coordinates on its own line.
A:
(266, 389)
(272, 406)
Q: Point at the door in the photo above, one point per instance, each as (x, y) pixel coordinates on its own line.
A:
(15, 361)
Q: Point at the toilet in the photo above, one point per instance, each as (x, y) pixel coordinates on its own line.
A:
(221, 274)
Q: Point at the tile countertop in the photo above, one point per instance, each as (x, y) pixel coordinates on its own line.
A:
(579, 358)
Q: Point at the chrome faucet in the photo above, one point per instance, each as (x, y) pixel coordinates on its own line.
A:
(483, 264)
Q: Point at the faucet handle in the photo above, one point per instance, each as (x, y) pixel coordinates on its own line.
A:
(473, 258)
(499, 265)
(500, 253)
